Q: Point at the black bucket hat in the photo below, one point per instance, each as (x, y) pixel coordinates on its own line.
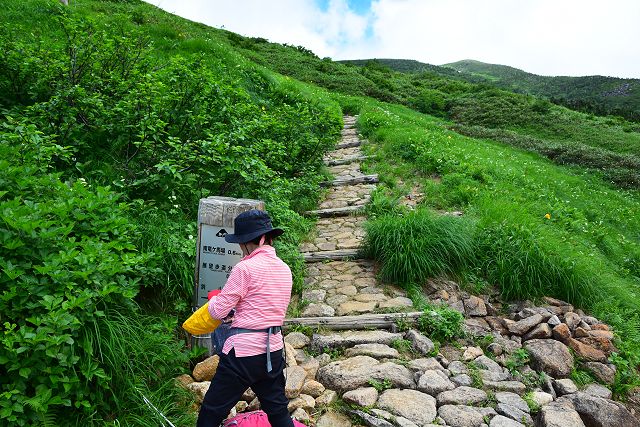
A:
(251, 224)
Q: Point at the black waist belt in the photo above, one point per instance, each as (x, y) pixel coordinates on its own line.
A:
(271, 330)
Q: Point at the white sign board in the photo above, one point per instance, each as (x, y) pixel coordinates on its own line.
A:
(216, 258)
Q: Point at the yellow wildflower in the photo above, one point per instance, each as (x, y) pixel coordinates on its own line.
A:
(548, 216)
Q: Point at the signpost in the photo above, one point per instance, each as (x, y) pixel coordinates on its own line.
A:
(215, 258)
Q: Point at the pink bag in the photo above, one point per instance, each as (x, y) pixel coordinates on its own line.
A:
(253, 419)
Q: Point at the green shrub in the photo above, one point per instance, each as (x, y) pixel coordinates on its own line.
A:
(441, 323)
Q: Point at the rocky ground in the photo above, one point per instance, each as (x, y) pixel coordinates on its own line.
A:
(512, 369)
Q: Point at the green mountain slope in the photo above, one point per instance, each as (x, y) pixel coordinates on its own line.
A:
(117, 117)
(597, 94)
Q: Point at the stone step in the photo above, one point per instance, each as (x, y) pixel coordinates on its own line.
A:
(340, 254)
(364, 179)
(345, 161)
(335, 212)
(349, 144)
(361, 321)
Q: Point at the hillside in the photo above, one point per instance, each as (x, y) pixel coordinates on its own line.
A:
(117, 117)
(597, 94)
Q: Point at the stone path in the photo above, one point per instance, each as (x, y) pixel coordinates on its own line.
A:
(512, 368)
(343, 287)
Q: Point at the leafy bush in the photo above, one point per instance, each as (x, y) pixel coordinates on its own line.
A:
(441, 323)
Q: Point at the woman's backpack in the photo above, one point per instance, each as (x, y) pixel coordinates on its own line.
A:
(253, 419)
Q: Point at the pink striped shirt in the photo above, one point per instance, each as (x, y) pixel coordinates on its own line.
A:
(259, 288)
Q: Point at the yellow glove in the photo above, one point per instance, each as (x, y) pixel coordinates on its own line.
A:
(201, 322)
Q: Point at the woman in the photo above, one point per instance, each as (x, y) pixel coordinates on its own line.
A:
(259, 289)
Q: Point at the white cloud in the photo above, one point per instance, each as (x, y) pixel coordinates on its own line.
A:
(551, 37)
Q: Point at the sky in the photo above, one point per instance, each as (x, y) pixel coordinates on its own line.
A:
(547, 37)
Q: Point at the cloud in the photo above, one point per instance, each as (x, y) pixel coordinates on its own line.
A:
(549, 37)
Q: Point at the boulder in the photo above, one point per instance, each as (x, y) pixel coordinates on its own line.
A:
(333, 419)
(572, 320)
(297, 339)
(561, 333)
(371, 420)
(326, 398)
(462, 396)
(541, 331)
(598, 390)
(475, 306)
(523, 326)
(318, 310)
(312, 388)
(550, 356)
(510, 386)
(460, 416)
(367, 396)
(303, 401)
(420, 343)
(205, 370)
(471, 353)
(483, 362)
(541, 398)
(397, 302)
(301, 415)
(514, 413)
(599, 412)
(558, 414)
(425, 364)
(416, 406)
(502, 421)
(295, 378)
(183, 380)
(564, 386)
(462, 380)
(602, 372)
(199, 389)
(378, 351)
(355, 372)
(433, 383)
(587, 352)
(512, 399)
(355, 307)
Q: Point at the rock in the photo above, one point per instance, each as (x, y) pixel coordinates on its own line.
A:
(598, 390)
(543, 330)
(303, 401)
(295, 377)
(456, 368)
(314, 295)
(311, 366)
(397, 302)
(425, 364)
(241, 406)
(483, 362)
(587, 352)
(462, 380)
(471, 353)
(300, 415)
(541, 398)
(512, 399)
(462, 396)
(433, 383)
(301, 356)
(421, 343)
(318, 310)
(199, 389)
(564, 386)
(475, 306)
(333, 419)
(497, 324)
(502, 421)
(205, 370)
(355, 372)
(297, 340)
(581, 332)
(523, 326)
(355, 307)
(335, 300)
(602, 372)
(561, 333)
(550, 356)
(290, 354)
(351, 338)
(487, 375)
(514, 413)
(599, 412)
(327, 398)
(602, 343)
(323, 359)
(377, 351)
(511, 386)
(183, 380)
(553, 321)
(572, 320)
(476, 326)
(254, 405)
(370, 420)
(416, 406)
(457, 306)
(557, 414)
(348, 290)
(312, 388)
(554, 301)
(369, 298)
(362, 396)
(460, 416)
(248, 395)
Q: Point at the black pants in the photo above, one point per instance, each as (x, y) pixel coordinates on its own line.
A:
(234, 376)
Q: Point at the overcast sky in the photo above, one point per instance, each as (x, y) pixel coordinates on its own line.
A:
(548, 37)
